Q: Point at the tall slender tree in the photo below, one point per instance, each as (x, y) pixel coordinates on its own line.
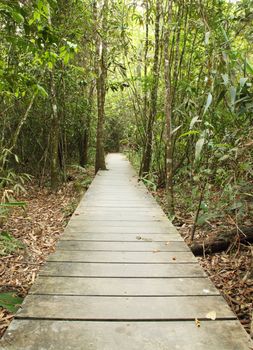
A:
(167, 106)
(147, 154)
(101, 71)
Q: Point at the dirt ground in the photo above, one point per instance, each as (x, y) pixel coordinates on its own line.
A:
(231, 271)
(38, 227)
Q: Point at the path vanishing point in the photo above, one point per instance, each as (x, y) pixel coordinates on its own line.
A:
(122, 278)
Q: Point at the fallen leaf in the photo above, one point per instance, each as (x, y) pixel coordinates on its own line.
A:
(211, 315)
(197, 322)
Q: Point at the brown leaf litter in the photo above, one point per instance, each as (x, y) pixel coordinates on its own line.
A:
(38, 227)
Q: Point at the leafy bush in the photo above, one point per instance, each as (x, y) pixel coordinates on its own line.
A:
(10, 301)
(9, 244)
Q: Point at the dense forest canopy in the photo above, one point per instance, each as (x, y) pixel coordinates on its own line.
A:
(168, 82)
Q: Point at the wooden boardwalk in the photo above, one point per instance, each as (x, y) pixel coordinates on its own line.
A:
(122, 279)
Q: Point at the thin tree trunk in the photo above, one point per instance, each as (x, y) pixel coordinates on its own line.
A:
(21, 123)
(145, 102)
(145, 63)
(55, 135)
(168, 110)
(55, 126)
(101, 70)
(84, 142)
(147, 156)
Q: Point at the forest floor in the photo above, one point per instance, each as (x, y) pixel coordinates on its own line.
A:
(231, 271)
(32, 233)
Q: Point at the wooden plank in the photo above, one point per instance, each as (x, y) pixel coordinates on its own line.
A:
(156, 226)
(111, 188)
(123, 286)
(123, 257)
(123, 308)
(126, 195)
(111, 204)
(118, 197)
(137, 246)
(85, 335)
(117, 210)
(72, 234)
(142, 225)
(121, 270)
(110, 216)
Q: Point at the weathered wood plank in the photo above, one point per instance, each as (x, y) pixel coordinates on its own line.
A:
(118, 210)
(118, 196)
(121, 226)
(141, 224)
(121, 270)
(110, 216)
(72, 234)
(78, 335)
(123, 286)
(123, 257)
(137, 246)
(123, 308)
(152, 210)
(120, 204)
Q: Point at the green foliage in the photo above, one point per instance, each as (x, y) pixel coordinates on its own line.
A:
(48, 51)
(9, 244)
(150, 184)
(10, 301)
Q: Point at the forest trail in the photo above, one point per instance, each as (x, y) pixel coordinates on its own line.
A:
(123, 278)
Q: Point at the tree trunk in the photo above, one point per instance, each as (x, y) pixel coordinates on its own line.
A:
(168, 111)
(223, 241)
(147, 156)
(84, 141)
(83, 148)
(101, 71)
(55, 126)
(145, 97)
(55, 134)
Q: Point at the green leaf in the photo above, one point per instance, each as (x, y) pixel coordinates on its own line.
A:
(202, 219)
(224, 34)
(17, 17)
(9, 244)
(191, 132)
(208, 102)
(243, 82)
(10, 301)
(236, 205)
(207, 37)
(194, 121)
(223, 158)
(176, 129)
(232, 91)
(40, 90)
(249, 67)
(225, 79)
(198, 148)
(13, 204)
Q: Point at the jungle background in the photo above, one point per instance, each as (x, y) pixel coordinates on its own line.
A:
(169, 83)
